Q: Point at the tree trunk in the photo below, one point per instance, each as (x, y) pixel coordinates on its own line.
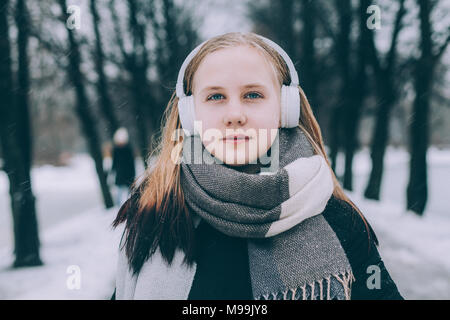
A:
(23, 85)
(351, 141)
(16, 165)
(378, 149)
(387, 96)
(417, 190)
(356, 95)
(335, 136)
(309, 57)
(342, 49)
(143, 100)
(102, 83)
(84, 113)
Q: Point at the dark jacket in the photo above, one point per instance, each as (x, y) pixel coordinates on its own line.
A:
(123, 165)
(223, 270)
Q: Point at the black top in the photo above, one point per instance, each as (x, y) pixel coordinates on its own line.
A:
(222, 266)
(123, 165)
(361, 252)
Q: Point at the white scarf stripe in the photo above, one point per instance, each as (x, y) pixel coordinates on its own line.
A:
(309, 195)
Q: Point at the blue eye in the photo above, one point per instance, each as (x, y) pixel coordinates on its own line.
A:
(214, 95)
(218, 96)
(255, 95)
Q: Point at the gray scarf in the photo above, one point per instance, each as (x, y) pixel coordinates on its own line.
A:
(293, 252)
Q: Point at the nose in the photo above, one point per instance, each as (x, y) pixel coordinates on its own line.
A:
(234, 116)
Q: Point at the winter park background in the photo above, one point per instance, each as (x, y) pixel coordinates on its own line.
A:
(74, 228)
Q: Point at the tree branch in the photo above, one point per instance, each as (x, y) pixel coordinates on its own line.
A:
(443, 47)
(397, 27)
(117, 31)
(48, 44)
(325, 23)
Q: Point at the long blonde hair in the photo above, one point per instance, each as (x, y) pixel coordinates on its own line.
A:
(158, 208)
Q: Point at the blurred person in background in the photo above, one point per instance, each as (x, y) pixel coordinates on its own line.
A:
(122, 165)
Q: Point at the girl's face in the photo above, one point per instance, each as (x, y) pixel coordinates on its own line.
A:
(236, 92)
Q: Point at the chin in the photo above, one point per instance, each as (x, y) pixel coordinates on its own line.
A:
(240, 156)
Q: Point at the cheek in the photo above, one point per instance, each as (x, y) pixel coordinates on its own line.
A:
(265, 139)
(270, 122)
(269, 117)
(206, 116)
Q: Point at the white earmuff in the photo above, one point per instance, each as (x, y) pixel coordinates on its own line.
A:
(290, 106)
(186, 110)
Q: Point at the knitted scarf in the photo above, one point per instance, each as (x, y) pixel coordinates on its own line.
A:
(293, 252)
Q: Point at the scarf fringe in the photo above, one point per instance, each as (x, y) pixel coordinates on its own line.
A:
(346, 278)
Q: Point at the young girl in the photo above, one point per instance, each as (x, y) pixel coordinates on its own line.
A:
(242, 203)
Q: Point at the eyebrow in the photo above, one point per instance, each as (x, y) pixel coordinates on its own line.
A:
(247, 86)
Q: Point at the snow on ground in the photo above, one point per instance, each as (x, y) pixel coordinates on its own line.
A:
(414, 249)
(80, 258)
(61, 192)
(74, 231)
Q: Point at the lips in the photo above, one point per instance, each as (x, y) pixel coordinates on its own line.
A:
(236, 137)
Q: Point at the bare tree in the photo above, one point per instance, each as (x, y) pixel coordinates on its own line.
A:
(136, 63)
(23, 81)
(175, 36)
(353, 78)
(342, 45)
(424, 68)
(106, 104)
(309, 57)
(170, 31)
(355, 92)
(17, 158)
(83, 111)
(387, 94)
(277, 20)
